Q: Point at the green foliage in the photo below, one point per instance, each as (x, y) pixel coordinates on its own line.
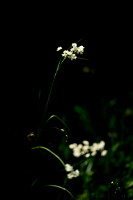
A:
(51, 152)
(84, 117)
(101, 177)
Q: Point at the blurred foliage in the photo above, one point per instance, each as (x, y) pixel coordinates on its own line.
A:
(101, 177)
(108, 177)
(94, 113)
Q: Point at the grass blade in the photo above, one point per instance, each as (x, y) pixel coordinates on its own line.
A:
(55, 155)
(55, 116)
(62, 188)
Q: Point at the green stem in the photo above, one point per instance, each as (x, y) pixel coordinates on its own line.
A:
(82, 58)
(57, 69)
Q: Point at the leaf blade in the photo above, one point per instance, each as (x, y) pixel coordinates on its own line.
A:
(55, 116)
(54, 154)
(62, 188)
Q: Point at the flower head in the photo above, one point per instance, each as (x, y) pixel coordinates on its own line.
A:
(68, 167)
(74, 50)
(88, 150)
(59, 48)
(72, 173)
(104, 152)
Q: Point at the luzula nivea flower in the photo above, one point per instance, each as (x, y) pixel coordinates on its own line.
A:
(104, 152)
(68, 167)
(72, 173)
(88, 150)
(71, 54)
(59, 48)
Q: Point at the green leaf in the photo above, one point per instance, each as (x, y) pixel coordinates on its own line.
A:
(62, 188)
(55, 155)
(115, 147)
(55, 116)
(85, 118)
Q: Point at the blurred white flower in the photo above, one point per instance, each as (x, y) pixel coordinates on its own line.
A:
(76, 173)
(104, 153)
(73, 174)
(74, 45)
(85, 142)
(70, 175)
(93, 153)
(86, 149)
(97, 146)
(87, 155)
(68, 167)
(101, 145)
(77, 152)
(59, 48)
(72, 146)
(94, 147)
(79, 146)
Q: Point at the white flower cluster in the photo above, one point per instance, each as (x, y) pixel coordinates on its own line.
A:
(71, 54)
(88, 150)
(72, 173)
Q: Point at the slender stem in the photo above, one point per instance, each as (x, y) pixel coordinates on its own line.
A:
(82, 58)
(57, 69)
(49, 95)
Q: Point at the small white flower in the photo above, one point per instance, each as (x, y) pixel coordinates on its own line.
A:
(72, 146)
(101, 145)
(79, 146)
(93, 153)
(104, 153)
(74, 48)
(72, 56)
(73, 51)
(80, 49)
(68, 167)
(87, 155)
(73, 174)
(74, 45)
(59, 48)
(85, 149)
(76, 173)
(94, 147)
(76, 152)
(70, 175)
(85, 142)
(65, 53)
